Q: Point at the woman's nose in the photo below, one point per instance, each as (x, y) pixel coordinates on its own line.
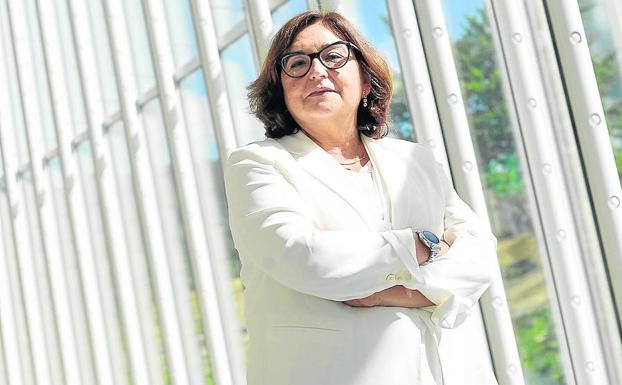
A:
(317, 69)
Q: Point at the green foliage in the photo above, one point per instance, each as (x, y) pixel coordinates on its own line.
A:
(503, 176)
(538, 348)
(481, 84)
(491, 129)
(610, 87)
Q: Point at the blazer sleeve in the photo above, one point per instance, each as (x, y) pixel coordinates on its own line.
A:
(273, 230)
(456, 280)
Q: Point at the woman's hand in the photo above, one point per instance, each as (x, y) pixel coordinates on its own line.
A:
(400, 296)
(423, 253)
(372, 300)
(397, 296)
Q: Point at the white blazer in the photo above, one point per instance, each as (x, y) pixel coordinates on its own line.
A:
(305, 247)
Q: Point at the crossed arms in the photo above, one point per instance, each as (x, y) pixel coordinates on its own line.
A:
(274, 232)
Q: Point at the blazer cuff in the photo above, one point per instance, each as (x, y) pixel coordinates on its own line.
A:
(403, 244)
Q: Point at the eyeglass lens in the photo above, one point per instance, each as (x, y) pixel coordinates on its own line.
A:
(334, 56)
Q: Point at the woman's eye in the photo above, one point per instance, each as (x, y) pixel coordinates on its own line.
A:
(333, 57)
(295, 63)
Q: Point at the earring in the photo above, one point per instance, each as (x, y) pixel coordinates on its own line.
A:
(365, 101)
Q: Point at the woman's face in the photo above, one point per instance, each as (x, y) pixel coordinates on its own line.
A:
(323, 93)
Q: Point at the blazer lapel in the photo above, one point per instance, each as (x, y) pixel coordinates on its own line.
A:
(392, 170)
(317, 162)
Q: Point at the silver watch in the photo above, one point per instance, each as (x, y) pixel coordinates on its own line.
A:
(432, 242)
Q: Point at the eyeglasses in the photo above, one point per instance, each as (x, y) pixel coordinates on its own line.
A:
(333, 56)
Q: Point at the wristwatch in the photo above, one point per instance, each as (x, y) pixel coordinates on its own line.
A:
(432, 242)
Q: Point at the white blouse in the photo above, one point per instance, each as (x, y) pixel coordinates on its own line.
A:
(370, 187)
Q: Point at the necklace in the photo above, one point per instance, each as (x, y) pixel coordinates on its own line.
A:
(357, 159)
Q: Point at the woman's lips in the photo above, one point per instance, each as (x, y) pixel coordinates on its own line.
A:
(320, 91)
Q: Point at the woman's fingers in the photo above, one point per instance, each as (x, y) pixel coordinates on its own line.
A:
(372, 300)
(444, 247)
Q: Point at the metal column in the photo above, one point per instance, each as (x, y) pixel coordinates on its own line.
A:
(598, 161)
(9, 327)
(313, 5)
(330, 5)
(143, 176)
(554, 207)
(106, 193)
(259, 24)
(187, 191)
(43, 191)
(417, 82)
(444, 73)
(592, 132)
(75, 196)
(225, 135)
(214, 77)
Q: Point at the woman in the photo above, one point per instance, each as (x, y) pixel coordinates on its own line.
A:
(336, 226)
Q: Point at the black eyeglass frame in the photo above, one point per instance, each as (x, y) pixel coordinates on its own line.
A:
(314, 55)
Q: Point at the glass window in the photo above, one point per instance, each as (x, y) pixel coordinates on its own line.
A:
(504, 188)
(6, 247)
(70, 67)
(181, 29)
(372, 19)
(9, 77)
(226, 14)
(604, 35)
(3, 371)
(63, 226)
(206, 159)
(5, 223)
(6, 227)
(175, 239)
(40, 77)
(102, 261)
(139, 43)
(138, 258)
(72, 271)
(286, 11)
(240, 71)
(6, 230)
(40, 275)
(105, 70)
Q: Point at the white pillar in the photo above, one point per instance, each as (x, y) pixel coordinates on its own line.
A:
(596, 148)
(75, 196)
(453, 116)
(592, 132)
(106, 193)
(11, 364)
(9, 300)
(560, 238)
(143, 181)
(45, 209)
(214, 77)
(185, 179)
(259, 24)
(417, 82)
(225, 135)
(313, 5)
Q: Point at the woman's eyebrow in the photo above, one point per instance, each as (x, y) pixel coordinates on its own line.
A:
(304, 52)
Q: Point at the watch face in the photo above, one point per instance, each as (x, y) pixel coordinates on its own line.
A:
(430, 236)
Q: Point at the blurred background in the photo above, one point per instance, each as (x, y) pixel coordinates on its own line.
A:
(116, 262)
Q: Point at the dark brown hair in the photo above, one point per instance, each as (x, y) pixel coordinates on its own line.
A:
(266, 97)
